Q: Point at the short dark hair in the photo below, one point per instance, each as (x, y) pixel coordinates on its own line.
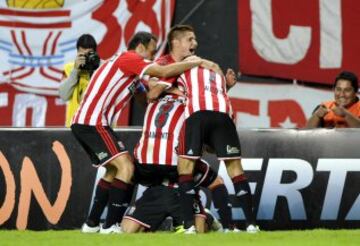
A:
(350, 76)
(175, 31)
(86, 41)
(141, 38)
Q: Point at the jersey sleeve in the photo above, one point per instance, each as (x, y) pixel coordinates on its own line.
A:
(182, 80)
(133, 63)
(163, 61)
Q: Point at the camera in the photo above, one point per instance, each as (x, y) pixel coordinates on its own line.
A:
(92, 61)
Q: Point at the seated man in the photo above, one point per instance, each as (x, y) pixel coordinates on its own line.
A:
(342, 112)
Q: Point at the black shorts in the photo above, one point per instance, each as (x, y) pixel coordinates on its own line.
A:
(150, 174)
(212, 128)
(156, 203)
(99, 142)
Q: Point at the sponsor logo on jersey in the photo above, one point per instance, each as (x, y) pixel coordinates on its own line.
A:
(153, 134)
(213, 89)
(212, 77)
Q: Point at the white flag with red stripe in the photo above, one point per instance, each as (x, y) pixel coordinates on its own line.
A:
(38, 37)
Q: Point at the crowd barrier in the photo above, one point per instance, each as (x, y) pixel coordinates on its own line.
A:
(301, 179)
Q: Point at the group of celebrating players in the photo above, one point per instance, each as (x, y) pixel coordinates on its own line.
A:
(188, 112)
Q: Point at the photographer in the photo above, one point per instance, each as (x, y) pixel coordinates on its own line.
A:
(77, 74)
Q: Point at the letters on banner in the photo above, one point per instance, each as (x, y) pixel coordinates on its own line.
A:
(304, 40)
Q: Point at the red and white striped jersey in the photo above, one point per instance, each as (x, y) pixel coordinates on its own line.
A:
(110, 89)
(205, 90)
(165, 60)
(162, 124)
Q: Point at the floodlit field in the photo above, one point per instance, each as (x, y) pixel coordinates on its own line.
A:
(283, 238)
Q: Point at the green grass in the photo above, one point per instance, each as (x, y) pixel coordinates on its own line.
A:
(283, 238)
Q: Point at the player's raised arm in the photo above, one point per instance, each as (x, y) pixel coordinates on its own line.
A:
(174, 69)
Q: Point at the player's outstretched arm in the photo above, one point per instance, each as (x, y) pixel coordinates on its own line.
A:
(172, 70)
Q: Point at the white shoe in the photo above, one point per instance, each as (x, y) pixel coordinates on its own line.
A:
(85, 228)
(252, 229)
(114, 229)
(190, 230)
(235, 230)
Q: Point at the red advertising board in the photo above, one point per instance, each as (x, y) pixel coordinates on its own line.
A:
(304, 40)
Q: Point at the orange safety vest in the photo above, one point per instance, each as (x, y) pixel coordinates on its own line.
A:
(333, 120)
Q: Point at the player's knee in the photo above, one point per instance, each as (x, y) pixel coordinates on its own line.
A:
(129, 226)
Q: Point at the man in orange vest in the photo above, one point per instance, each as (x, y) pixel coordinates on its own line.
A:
(344, 111)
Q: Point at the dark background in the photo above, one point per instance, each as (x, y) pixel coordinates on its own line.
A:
(215, 24)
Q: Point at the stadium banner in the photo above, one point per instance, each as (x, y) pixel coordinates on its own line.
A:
(287, 106)
(277, 38)
(300, 178)
(38, 37)
(22, 109)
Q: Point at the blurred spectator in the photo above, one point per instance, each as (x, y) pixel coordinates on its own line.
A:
(344, 111)
(77, 74)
